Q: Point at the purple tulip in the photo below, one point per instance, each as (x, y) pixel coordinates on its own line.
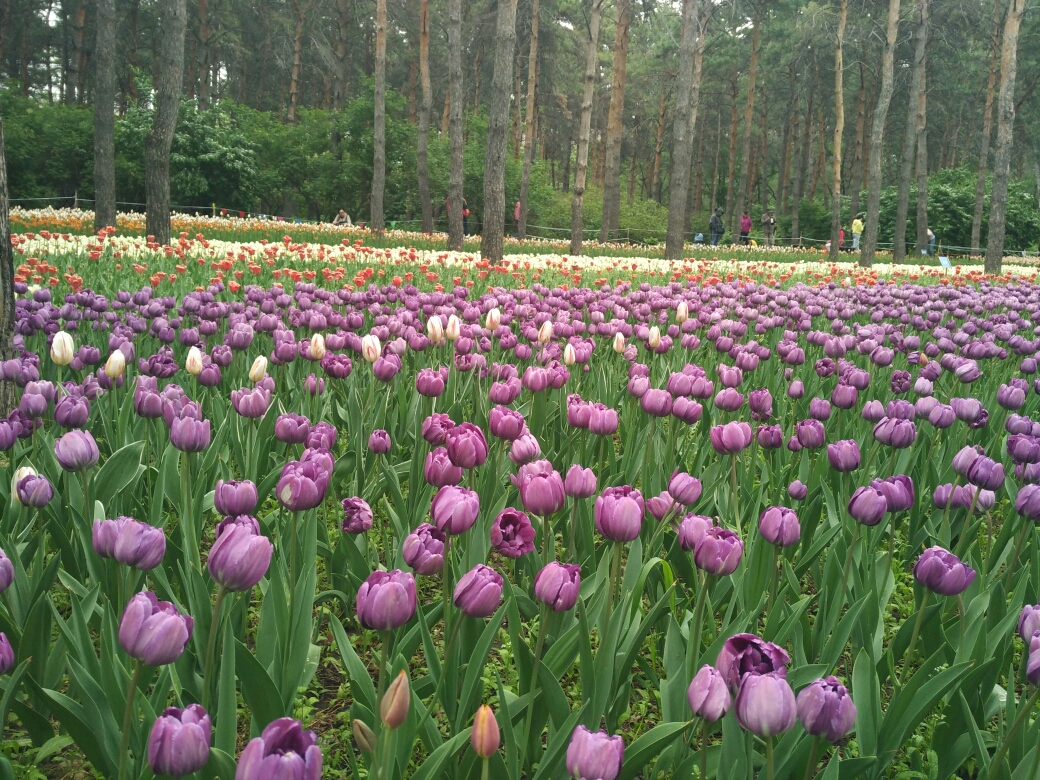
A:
(766, 705)
(439, 470)
(718, 552)
(873, 411)
(423, 549)
(76, 451)
(1010, 397)
(6, 572)
(235, 497)
(826, 709)
(7, 657)
(747, 654)
(1023, 448)
(557, 585)
(541, 488)
(594, 755)
(283, 751)
(291, 428)
(660, 506)
(579, 482)
(190, 435)
(656, 403)
(796, 389)
(692, 529)
(760, 402)
(986, 473)
(1032, 660)
(386, 600)
(779, 526)
(1029, 621)
(798, 490)
(479, 591)
(967, 410)
(71, 412)
(454, 509)
(251, 403)
(708, 695)
(128, 541)
(1027, 503)
(603, 421)
(357, 516)
(811, 434)
(435, 429)
(844, 455)
(506, 424)
(178, 744)
(687, 410)
(512, 534)
(943, 572)
(965, 457)
(302, 485)
(618, 513)
(731, 438)
(820, 409)
(898, 492)
(429, 382)
(34, 490)
(240, 554)
(153, 631)
(941, 416)
(729, 400)
(379, 442)
(684, 488)
(896, 433)
(868, 505)
(467, 447)
(322, 435)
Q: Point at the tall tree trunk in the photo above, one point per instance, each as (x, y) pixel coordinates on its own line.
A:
(698, 181)
(582, 163)
(839, 125)
(413, 99)
(204, 53)
(987, 131)
(518, 117)
(343, 24)
(104, 116)
(1005, 129)
(425, 108)
(655, 177)
(131, 54)
(8, 390)
(612, 157)
(922, 162)
(168, 78)
(732, 158)
(713, 203)
(379, 121)
(529, 144)
(749, 114)
(455, 101)
(632, 175)
(912, 132)
(785, 149)
(861, 122)
(801, 161)
(493, 222)
(300, 11)
(687, 102)
(76, 76)
(877, 137)
(763, 168)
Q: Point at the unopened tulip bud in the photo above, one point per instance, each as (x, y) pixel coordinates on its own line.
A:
(259, 369)
(619, 343)
(63, 350)
(317, 346)
(682, 312)
(545, 332)
(116, 365)
(193, 365)
(364, 737)
(19, 475)
(654, 339)
(493, 319)
(454, 329)
(393, 710)
(435, 330)
(370, 348)
(568, 355)
(485, 736)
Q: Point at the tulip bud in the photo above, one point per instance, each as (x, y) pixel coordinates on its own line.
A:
(569, 357)
(364, 737)
(545, 332)
(193, 365)
(370, 348)
(654, 339)
(485, 735)
(493, 319)
(62, 348)
(19, 475)
(259, 369)
(454, 329)
(393, 710)
(116, 365)
(619, 343)
(434, 330)
(682, 312)
(317, 346)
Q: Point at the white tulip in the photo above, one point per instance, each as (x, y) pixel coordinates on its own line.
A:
(317, 346)
(258, 370)
(568, 355)
(545, 332)
(435, 330)
(115, 365)
(62, 348)
(19, 475)
(493, 320)
(654, 339)
(619, 343)
(193, 364)
(370, 348)
(682, 312)
(454, 328)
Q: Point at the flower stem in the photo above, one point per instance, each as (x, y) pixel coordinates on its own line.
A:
(698, 621)
(383, 652)
(1023, 713)
(704, 749)
(484, 769)
(733, 491)
(848, 566)
(813, 751)
(769, 758)
(913, 638)
(214, 629)
(127, 714)
(615, 568)
(539, 644)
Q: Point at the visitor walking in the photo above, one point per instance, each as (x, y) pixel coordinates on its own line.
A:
(857, 232)
(465, 218)
(516, 218)
(715, 227)
(769, 227)
(745, 228)
(931, 242)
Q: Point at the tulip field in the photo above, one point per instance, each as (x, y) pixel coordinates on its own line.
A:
(279, 510)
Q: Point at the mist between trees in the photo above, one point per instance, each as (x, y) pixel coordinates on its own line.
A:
(782, 104)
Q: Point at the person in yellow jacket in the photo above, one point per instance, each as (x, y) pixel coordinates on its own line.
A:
(857, 232)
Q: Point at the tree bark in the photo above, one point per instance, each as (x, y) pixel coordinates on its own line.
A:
(698, 181)
(912, 132)
(799, 165)
(8, 390)
(204, 54)
(518, 118)
(655, 177)
(339, 86)
(877, 137)
(300, 11)
(732, 158)
(425, 109)
(987, 132)
(455, 100)
(861, 121)
(749, 114)
(839, 126)
(785, 149)
(582, 162)
(493, 222)
(612, 157)
(922, 162)
(76, 77)
(529, 144)
(379, 122)
(691, 60)
(104, 116)
(1005, 130)
(168, 81)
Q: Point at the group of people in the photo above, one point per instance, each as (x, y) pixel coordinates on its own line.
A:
(717, 227)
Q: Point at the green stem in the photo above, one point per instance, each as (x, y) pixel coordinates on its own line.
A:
(1014, 558)
(539, 644)
(214, 629)
(615, 567)
(698, 621)
(913, 638)
(704, 749)
(1023, 713)
(572, 552)
(848, 566)
(733, 491)
(548, 541)
(484, 769)
(772, 580)
(769, 758)
(127, 714)
(444, 669)
(644, 479)
(813, 751)
(383, 652)
(191, 542)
